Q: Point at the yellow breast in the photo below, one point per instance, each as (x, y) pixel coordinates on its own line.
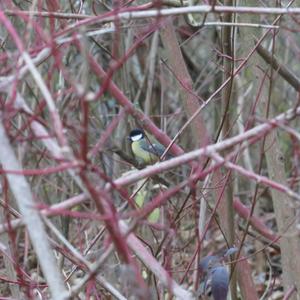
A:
(142, 155)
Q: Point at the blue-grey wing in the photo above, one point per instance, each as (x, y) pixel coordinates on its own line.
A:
(155, 148)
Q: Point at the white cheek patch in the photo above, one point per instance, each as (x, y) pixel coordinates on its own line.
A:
(136, 137)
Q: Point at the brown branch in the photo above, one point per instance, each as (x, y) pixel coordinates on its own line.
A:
(256, 223)
(285, 73)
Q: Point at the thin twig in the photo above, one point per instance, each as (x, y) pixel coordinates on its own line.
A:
(150, 13)
(285, 73)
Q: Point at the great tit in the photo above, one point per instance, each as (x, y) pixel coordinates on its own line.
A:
(146, 151)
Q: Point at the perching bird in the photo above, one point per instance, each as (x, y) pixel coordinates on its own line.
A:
(146, 151)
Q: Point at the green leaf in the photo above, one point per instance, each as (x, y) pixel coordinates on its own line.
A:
(154, 216)
(140, 198)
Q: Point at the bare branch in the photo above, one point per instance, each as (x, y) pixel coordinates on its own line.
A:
(31, 217)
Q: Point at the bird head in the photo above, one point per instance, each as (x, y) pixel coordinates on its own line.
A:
(136, 135)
